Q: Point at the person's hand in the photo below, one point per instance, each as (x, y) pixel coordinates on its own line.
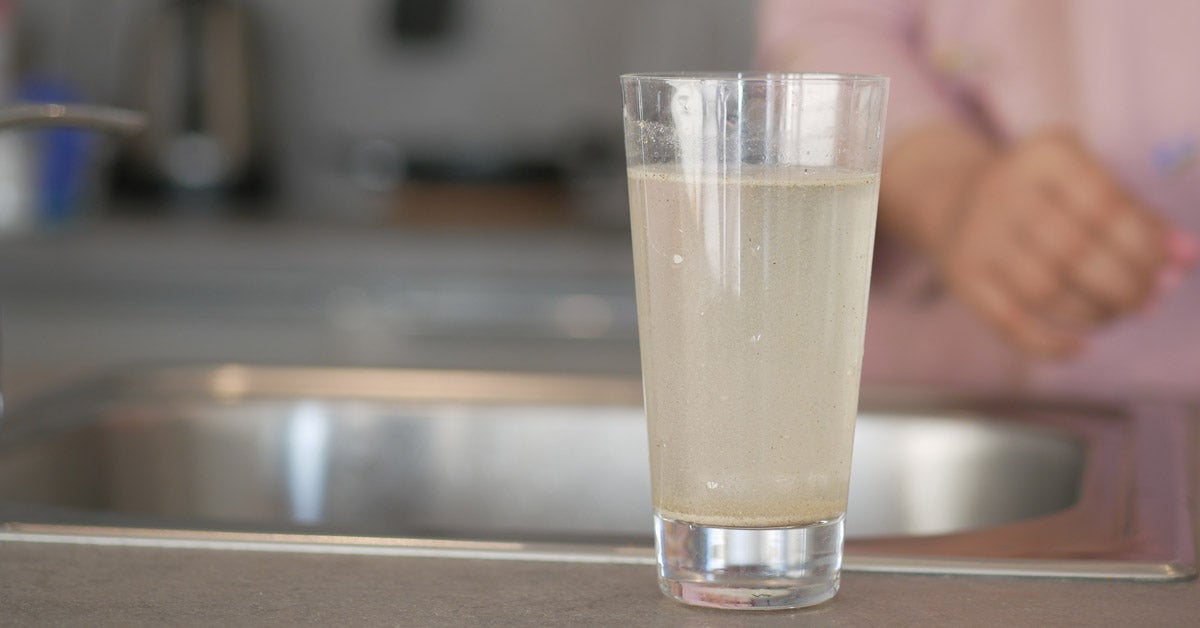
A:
(1047, 246)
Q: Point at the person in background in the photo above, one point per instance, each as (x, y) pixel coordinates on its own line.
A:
(1040, 188)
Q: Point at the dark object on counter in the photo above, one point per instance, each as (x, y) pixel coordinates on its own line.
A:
(481, 205)
(480, 191)
(467, 170)
(198, 77)
(423, 21)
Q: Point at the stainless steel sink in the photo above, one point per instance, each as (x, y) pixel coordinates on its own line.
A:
(541, 467)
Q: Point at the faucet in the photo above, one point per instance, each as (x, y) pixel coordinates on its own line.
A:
(95, 117)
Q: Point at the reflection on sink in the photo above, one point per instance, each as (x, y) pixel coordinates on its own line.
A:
(499, 471)
(511, 457)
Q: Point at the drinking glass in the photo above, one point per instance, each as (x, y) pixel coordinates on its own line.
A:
(753, 201)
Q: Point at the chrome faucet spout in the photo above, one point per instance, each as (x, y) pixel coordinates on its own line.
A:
(95, 117)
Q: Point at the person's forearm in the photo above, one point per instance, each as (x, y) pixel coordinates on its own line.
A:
(924, 178)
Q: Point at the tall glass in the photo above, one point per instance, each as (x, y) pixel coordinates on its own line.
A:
(753, 200)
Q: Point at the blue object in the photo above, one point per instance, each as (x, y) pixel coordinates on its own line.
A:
(61, 157)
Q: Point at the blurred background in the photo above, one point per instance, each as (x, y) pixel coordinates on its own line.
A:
(433, 183)
(336, 104)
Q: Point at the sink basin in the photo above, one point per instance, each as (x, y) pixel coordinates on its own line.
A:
(542, 467)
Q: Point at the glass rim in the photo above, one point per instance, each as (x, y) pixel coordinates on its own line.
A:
(755, 77)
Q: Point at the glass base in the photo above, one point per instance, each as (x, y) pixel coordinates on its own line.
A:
(749, 568)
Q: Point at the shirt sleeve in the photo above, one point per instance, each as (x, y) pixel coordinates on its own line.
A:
(860, 36)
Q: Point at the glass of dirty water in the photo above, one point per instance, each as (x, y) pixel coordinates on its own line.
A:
(753, 202)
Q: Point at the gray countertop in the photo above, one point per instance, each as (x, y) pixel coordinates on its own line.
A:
(58, 584)
(82, 585)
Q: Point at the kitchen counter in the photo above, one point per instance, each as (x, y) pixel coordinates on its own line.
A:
(82, 585)
(58, 584)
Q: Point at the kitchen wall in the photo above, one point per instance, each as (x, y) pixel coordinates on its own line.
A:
(510, 77)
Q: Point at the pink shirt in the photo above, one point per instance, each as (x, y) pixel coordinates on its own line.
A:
(1120, 74)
